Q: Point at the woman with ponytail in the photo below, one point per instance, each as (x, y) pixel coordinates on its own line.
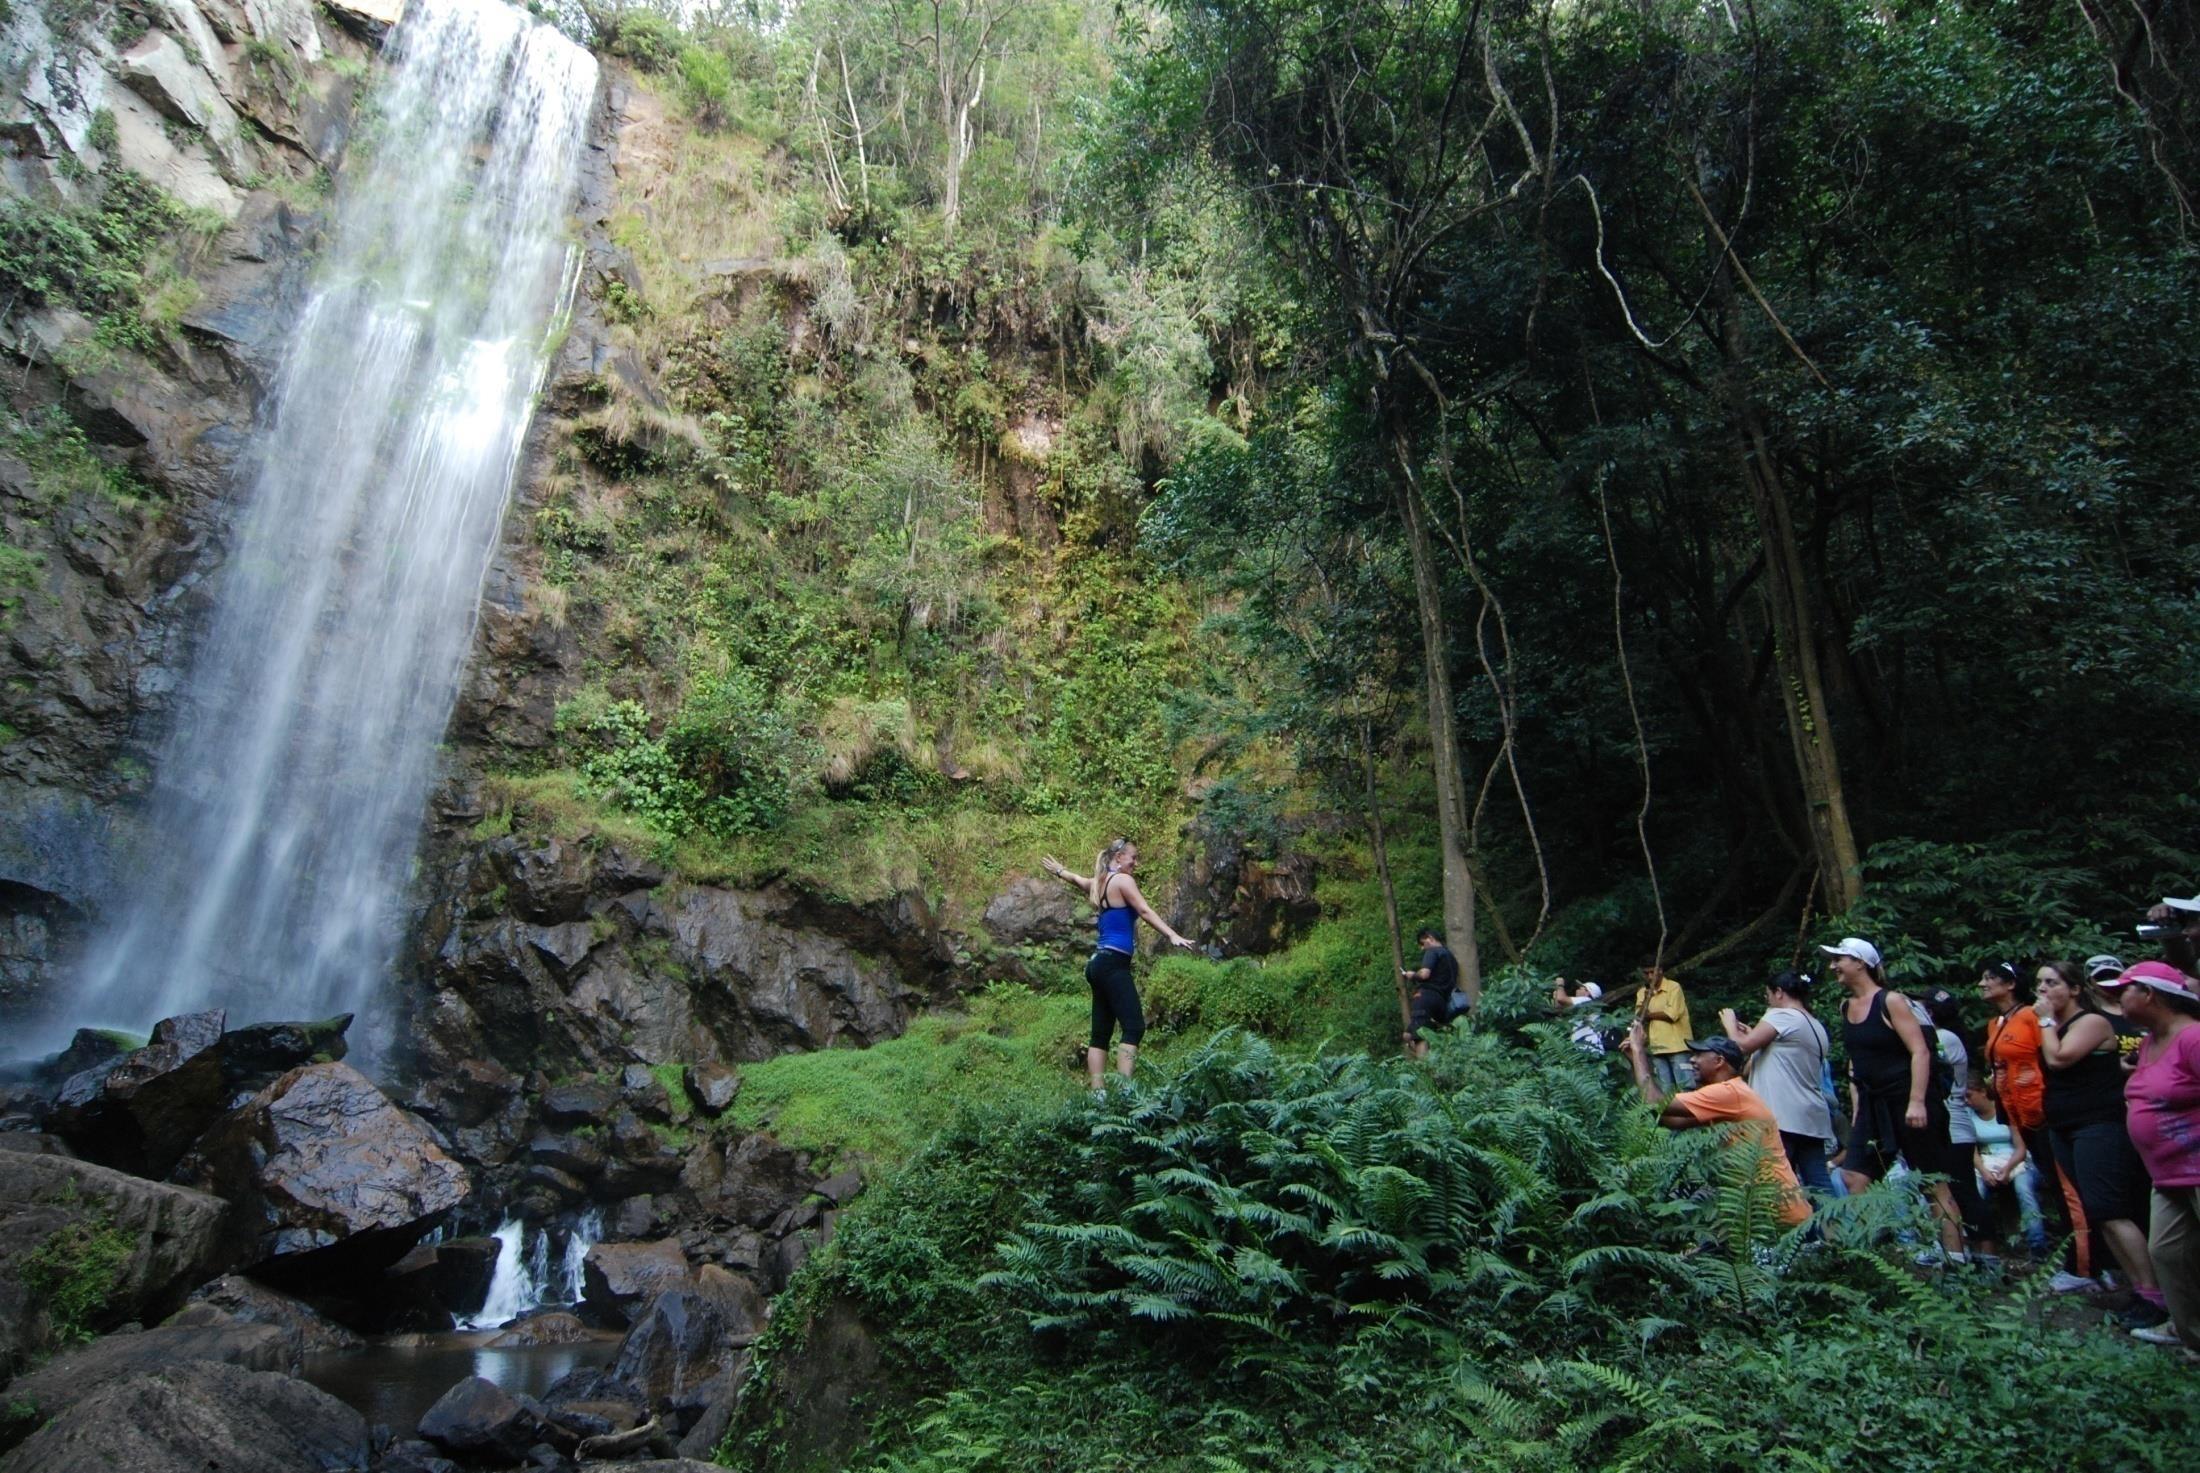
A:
(1115, 895)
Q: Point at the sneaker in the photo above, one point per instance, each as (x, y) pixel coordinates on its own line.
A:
(2142, 1316)
(1937, 1258)
(2066, 1282)
(2155, 1334)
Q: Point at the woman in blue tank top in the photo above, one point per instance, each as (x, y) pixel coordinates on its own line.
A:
(1114, 894)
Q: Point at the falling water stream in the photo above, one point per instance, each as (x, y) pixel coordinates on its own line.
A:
(288, 800)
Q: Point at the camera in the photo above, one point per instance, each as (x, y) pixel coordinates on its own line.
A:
(2154, 931)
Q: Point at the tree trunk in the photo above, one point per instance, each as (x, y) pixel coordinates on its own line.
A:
(1450, 774)
(1795, 644)
(1381, 847)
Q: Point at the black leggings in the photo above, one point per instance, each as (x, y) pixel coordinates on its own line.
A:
(1881, 1132)
(1114, 998)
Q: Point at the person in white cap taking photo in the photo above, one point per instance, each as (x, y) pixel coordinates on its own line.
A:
(2176, 921)
(1901, 1097)
(2162, 1099)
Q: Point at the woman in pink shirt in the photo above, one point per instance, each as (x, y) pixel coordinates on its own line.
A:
(2162, 1104)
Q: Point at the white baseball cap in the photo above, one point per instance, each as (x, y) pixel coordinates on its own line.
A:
(1857, 947)
(2190, 902)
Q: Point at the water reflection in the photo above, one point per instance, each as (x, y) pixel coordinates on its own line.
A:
(394, 1383)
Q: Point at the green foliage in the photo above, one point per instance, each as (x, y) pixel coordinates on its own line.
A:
(648, 38)
(91, 258)
(64, 467)
(1498, 1260)
(1008, 1051)
(724, 765)
(74, 1273)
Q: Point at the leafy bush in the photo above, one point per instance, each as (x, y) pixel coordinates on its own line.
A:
(1498, 1261)
(706, 81)
(647, 38)
(725, 764)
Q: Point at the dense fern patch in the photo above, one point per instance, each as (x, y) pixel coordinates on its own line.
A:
(1496, 1260)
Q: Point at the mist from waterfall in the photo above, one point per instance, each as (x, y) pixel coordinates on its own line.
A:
(288, 800)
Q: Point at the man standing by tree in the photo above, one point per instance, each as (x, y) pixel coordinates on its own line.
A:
(1433, 982)
(1661, 1009)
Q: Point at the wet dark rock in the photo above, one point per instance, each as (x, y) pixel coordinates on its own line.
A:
(68, 1379)
(681, 1464)
(641, 1160)
(577, 1104)
(413, 1456)
(35, 1143)
(479, 1419)
(192, 1416)
(712, 1086)
(575, 1155)
(738, 1300)
(555, 1327)
(840, 1189)
(255, 1056)
(545, 1191)
(718, 1401)
(594, 1386)
(620, 1278)
(679, 1342)
(176, 1239)
(141, 1112)
(89, 1049)
(234, 1297)
(330, 1179)
(752, 1182)
(645, 1094)
(636, 1217)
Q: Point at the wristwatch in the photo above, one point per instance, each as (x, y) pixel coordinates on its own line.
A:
(2049, 1023)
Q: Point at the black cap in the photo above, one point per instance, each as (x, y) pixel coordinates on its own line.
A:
(1725, 1048)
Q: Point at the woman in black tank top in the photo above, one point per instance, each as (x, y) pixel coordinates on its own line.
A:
(1899, 1109)
(2085, 1119)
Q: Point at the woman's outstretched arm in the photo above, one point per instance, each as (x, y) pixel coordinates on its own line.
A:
(1085, 885)
(1129, 891)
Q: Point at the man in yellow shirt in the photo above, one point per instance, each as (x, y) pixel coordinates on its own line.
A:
(1663, 1009)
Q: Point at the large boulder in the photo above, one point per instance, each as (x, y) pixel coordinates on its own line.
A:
(677, 1345)
(234, 1297)
(141, 1112)
(620, 1278)
(67, 1379)
(330, 1178)
(119, 1247)
(192, 1416)
(1031, 911)
(256, 1056)
(479, 1419)
(712, 1086)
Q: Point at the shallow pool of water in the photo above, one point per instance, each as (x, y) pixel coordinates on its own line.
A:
(395, 1383)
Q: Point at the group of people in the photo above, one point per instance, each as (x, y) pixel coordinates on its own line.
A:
(2084, 1102)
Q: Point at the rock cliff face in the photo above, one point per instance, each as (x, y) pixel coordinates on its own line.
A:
(111, 514)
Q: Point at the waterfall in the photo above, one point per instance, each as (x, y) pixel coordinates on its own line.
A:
(511, 1294)
(287, 801)
(522, 1280)
(572, 1276)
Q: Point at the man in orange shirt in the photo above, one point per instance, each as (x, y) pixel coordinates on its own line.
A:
(1722, 1098)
